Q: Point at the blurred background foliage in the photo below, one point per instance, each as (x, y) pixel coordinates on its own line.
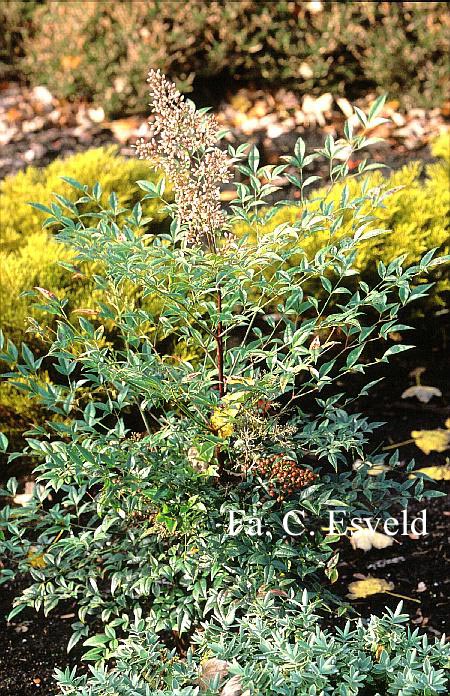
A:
(99, 51)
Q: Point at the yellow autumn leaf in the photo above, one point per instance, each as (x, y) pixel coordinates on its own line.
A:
(36, 560)
(378, 469)
(228, 195)
(432, 440)
(241, 380)
(223, 417)
(366, 539)
(438, 473)
(360, 589)
(378, 652)
(234, 397)
(373, 470)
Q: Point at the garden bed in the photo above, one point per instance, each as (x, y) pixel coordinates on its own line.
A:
(140, 537)
(33, 645)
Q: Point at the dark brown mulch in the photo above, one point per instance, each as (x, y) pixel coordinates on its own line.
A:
(32, 646)
(36, 128)
(419, 568)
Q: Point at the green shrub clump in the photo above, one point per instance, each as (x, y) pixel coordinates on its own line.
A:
(16, 21)
(147, 458)
(278, 647)
(99, 50)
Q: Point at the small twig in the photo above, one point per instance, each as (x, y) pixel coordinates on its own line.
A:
(398, 444)
(400, 596)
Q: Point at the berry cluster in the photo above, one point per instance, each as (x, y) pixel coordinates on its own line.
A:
(285, 475)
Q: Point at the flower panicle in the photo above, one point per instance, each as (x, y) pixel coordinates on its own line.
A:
(182, 143)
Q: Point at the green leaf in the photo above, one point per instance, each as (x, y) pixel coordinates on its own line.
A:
(97, 191)
(253, 159)
(376, 107)
(3, 442)
(16, 610)
(75, 184)
(42, 208)
(113, 202)
(98, 640)
(353, 356)
(393, 350)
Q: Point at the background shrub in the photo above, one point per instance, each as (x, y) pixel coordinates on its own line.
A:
(100, 51)
(15, 21)
(30, 256)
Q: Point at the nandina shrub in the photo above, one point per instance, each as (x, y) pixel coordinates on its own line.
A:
(151, 464)
(277, 647)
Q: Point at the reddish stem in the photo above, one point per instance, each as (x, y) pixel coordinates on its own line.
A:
(219, 343)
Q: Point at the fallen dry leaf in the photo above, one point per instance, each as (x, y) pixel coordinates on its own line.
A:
(438, 473)
(210, 669)
(366, 539)
(374, 470)
(306, 71)
(96, 115)
(314, 6)
(124, 129)
(233, 687)
(370, 586)
(421, 392)
(315, 108)
(432, 440)
(25, 497)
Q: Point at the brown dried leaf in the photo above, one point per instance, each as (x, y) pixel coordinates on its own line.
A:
(421, 392)
(366, 539)
(209, 670)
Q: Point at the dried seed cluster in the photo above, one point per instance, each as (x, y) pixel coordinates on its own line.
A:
(285, 475)
(136, 437)
(183, 143)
